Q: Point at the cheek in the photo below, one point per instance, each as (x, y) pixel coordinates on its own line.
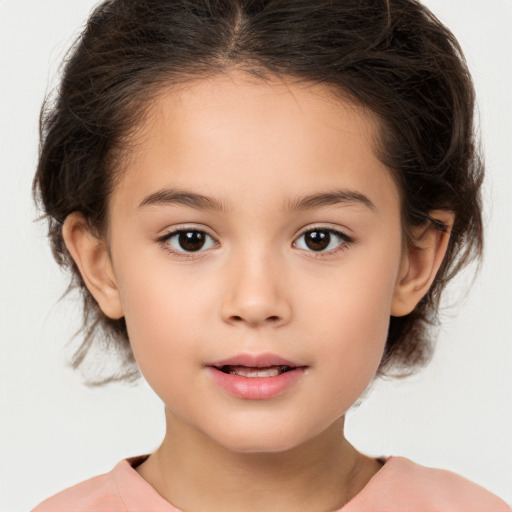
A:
(166, 313)
(351, 319)
(355, 345)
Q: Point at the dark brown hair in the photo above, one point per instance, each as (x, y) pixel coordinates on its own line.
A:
(392, 56)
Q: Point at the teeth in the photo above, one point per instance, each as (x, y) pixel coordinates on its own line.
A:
(245, 371)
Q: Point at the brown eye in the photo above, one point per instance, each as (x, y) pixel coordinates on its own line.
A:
(321, 240)
(317, 240)
(189, 240)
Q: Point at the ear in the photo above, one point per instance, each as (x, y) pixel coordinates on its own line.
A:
(421, 262)
(90, 254)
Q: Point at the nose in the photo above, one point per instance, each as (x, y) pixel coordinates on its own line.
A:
(257, 292)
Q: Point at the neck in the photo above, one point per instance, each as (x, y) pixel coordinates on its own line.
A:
(193, 472)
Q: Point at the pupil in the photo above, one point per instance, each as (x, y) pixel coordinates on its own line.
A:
(318, 240)
(191, 240)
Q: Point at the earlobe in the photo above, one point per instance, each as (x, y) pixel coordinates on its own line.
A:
(90, 255)
(421, 262)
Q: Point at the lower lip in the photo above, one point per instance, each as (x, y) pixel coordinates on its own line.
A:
(256, 388)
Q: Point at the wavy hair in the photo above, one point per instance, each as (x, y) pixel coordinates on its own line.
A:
(391, 56)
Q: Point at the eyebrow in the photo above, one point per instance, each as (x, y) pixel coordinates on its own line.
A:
(198, 201)
(330, 199)
(191, 199)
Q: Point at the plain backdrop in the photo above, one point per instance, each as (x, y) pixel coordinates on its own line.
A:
(55, 432)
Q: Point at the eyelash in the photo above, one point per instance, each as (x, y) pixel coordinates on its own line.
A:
(164, 241)
(344, 241)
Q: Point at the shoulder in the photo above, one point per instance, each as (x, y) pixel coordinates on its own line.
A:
(402, 485)
(120, 490)
(445, 489)
(98, 494)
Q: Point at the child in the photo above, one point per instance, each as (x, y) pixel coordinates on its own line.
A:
(261, 202)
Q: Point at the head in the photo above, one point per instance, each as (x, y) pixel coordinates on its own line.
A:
(390, 63)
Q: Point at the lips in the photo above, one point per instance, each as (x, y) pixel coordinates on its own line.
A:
(265, 360)
(250, 372)
(255, 377)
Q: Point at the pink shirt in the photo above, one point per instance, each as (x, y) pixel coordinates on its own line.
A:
(400, 486)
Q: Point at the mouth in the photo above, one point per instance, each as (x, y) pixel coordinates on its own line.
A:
(256, 376)
(251, 372)
(255, 365)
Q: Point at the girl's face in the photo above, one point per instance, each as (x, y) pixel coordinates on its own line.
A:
(256, 247)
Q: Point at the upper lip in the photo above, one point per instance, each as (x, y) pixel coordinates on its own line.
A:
(254, 361)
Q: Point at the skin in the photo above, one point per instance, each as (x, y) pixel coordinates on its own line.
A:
(256, 148)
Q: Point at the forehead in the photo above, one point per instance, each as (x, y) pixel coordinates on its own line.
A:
(231, 135)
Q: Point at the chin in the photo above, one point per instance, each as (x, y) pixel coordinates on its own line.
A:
(252, 446)
(257, 440)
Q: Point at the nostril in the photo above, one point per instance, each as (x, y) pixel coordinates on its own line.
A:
(255, 311)
(271, 319)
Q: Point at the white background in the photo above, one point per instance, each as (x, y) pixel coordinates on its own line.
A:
(55, 432)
